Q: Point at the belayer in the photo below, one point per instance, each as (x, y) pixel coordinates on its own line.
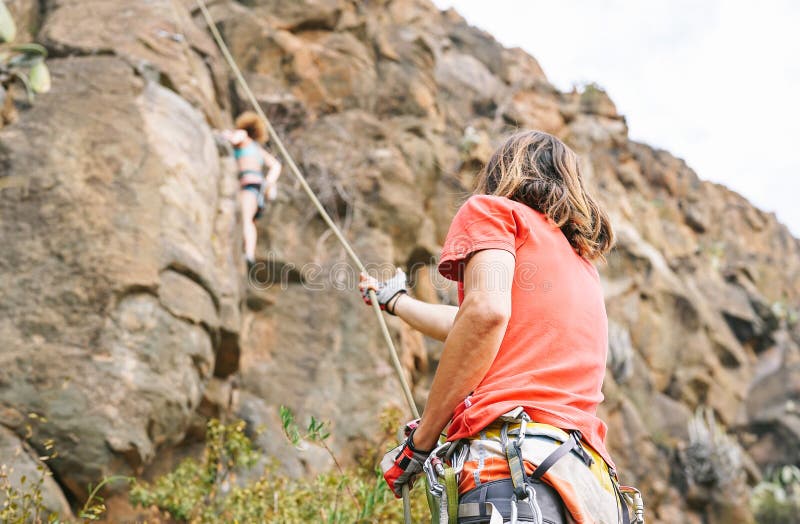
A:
(254, 186)
(521, 372)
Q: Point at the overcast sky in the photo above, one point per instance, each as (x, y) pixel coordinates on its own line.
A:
(715, 82)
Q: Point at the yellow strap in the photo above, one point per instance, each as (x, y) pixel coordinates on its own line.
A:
(451, 488)
(432, 505)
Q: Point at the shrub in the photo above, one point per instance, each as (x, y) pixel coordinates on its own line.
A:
(207, 491)
(712, 459)
(776, 500)
(22, 64)
(23, 503)
(23, 500)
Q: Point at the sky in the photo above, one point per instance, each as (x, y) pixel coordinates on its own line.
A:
(715, 82)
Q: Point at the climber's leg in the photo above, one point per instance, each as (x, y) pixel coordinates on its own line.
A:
(248, 202)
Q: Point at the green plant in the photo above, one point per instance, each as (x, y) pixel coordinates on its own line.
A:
(95, 506)
(712, 459)
(19, 64)
(24, 502)
(776, 500)
(198, 489)
(191, 493)
(317, 432)
(23, 499)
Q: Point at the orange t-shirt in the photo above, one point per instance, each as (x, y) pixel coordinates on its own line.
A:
(552, 358)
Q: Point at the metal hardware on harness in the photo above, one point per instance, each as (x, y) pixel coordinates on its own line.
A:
(514, 510)
(530, 496)
(434, 467)
(634, 496)
(513, 451)
(443, 479)
(536, 511)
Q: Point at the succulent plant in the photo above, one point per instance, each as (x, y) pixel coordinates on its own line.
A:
(20, 63)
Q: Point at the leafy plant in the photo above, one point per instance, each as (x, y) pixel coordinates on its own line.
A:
(196, 491)
(95, 506)
(712, 459)
(23, 503)
(191, 493)
(22, 64)
(776, 500)
(23, 498)
(317, 432)
(8, 29)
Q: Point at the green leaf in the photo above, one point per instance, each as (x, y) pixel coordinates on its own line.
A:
(33, 50)
(8, 29)
(39, 77)
(25, 82)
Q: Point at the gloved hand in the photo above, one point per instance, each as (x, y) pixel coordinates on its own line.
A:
(385, 291)
(402, 465)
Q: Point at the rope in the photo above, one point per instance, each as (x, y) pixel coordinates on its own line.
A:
(325, 216)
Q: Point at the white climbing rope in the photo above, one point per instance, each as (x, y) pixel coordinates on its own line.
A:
(325, 216)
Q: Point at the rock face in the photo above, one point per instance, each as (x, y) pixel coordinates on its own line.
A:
(116, 292)
(124, 319)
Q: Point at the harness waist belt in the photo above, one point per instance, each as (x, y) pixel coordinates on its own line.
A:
(473, 509)
(250, 172)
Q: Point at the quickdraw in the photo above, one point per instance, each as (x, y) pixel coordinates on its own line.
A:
(633, 498)
(443, 478)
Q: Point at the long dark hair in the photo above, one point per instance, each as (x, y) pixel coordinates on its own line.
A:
(540, 171)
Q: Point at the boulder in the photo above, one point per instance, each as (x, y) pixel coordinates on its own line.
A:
(158, 37)
(117, 278)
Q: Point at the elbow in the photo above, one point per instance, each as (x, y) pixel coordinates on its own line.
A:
(487, 314)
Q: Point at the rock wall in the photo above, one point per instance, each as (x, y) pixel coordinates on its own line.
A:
(127, 317)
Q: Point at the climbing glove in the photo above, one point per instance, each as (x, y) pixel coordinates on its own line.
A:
(402, 465)
(385, 291)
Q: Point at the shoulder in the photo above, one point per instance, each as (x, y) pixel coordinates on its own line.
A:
(484, 205)
(482, 202)
(490, 207)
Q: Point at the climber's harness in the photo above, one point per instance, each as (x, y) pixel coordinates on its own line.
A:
(446, 462)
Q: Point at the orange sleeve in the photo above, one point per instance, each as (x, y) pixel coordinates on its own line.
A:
(483, 222)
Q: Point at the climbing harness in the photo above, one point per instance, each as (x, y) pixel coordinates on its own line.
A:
(212, 26)
(495, 473)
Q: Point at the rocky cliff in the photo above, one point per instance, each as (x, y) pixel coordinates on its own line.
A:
(127, 317)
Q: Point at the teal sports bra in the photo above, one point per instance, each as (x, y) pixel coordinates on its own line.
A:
(250, 150)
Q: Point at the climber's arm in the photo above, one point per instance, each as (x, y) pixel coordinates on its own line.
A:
(433, 320)
(473, 342)
(274, 167)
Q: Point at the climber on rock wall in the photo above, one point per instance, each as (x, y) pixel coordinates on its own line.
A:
(525, 351)
(255, 187)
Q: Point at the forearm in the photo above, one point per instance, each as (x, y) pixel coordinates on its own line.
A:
(273, 174)
(468, 353)
(433, 320)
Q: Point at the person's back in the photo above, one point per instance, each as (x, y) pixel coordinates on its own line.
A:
(552, 358)
(520, 375)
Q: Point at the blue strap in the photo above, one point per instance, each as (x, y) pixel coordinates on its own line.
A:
(572, 443)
